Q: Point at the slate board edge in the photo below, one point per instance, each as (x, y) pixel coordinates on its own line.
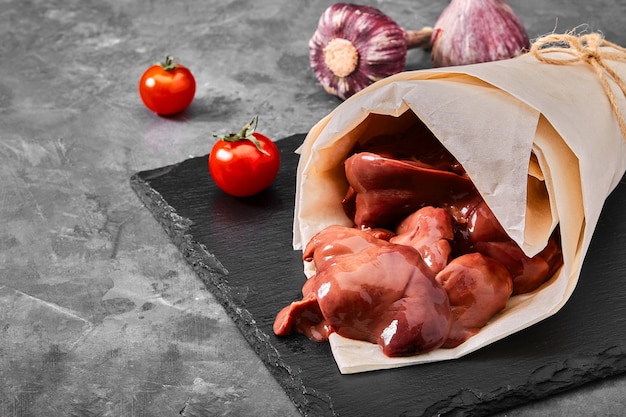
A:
(213, 274)
(561, 376)
(581, 370)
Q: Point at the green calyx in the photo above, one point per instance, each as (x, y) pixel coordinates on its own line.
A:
(245, 134)
(169, 64)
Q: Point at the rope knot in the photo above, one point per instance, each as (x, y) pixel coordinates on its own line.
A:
(591, 49)
(589, 52)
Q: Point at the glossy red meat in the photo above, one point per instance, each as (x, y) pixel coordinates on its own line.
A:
(427, 263)
(385, 190)
(478, 287)
(426, 152)
(528, 273)
(336, 241)
(369, 289)
(429, 230)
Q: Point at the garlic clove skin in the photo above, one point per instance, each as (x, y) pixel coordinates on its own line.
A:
(474, 31)
(355, 46)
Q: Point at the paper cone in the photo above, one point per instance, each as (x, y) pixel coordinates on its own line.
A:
(505, 122)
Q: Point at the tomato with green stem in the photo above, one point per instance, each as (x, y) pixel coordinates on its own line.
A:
(245, 163)
(167, 88)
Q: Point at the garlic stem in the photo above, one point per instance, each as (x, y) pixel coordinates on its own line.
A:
(419, 38)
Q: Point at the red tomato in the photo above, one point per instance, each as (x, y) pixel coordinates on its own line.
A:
(167, 88)
(243, 164)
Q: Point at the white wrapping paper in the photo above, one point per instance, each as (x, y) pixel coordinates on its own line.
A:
(494, 118)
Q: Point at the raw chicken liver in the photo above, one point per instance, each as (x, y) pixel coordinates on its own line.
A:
(426, 265)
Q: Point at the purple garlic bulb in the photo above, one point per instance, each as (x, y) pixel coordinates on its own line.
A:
(473, 31)
(356, 45)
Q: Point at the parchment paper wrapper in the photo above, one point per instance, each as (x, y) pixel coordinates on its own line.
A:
(540, 142)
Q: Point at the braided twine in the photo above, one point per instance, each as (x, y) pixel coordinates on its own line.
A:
(588, 48)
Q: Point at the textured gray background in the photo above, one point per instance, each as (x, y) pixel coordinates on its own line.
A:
(99, 313)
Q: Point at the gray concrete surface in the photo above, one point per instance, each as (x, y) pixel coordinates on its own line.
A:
(99, 313)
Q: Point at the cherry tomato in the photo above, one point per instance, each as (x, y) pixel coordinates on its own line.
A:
(167, 88)
(246, 163)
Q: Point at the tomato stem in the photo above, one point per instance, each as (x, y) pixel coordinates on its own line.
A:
(249, 128)
(169, 63)
(247, 133)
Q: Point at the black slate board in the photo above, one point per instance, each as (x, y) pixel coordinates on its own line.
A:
(241, 249)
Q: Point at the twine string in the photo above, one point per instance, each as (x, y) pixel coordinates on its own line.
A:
(589, 49)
